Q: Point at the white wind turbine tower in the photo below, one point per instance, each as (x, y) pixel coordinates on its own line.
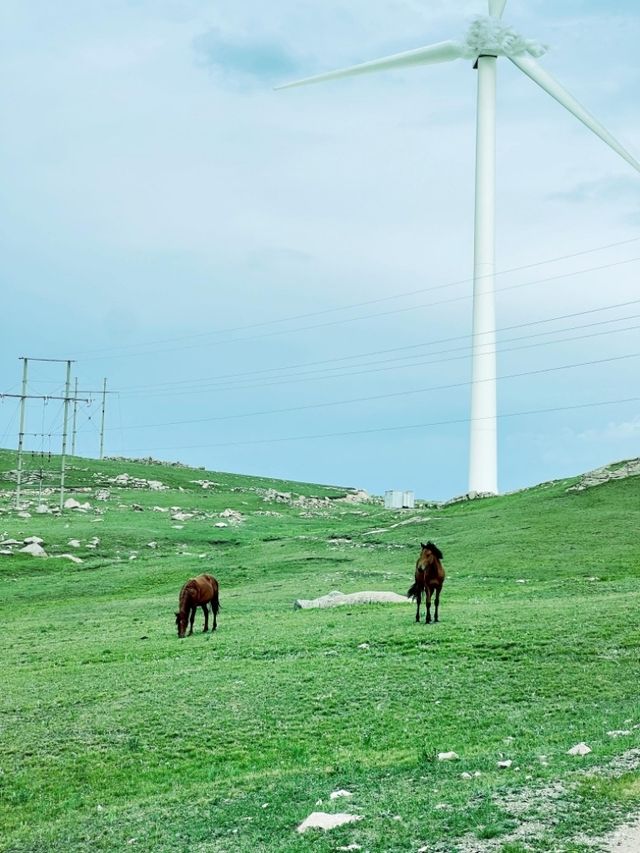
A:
(486, 40)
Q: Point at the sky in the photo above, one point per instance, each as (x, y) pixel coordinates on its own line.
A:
(278, 282)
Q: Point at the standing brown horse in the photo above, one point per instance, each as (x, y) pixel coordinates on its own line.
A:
(429, 577)
(197, 592)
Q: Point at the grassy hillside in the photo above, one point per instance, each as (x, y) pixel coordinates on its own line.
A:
(117, 735)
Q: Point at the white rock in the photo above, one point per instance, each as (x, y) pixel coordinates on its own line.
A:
(71, 503)
(579, 749)
(74, 543)
(152, 544)
(506, 764)
(220, 524)
(352, 846)
(34, 549)
(71, 557)
(24, 514)
(33, 540)
(337, 599)
(364, 646)
(619, 732)
(10, 542)
(341, 793)
(177, 526)
(322, 820)
(466, 775)
(182, 516)
(42, 509)
(448, 756)
(6, 551)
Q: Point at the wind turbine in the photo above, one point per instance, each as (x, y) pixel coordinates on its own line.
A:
(486, 40)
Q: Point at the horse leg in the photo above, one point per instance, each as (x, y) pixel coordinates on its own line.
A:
(214, 610)
(206, 618)
(427, 595)
(418, 601)
(192, 616)
(435, 615)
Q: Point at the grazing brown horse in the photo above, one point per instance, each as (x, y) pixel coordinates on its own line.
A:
(429, 577)
(197, 592)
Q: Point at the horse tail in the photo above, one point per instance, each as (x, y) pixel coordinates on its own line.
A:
(412, 592)
(215, 603)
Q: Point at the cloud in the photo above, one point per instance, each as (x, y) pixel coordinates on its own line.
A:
(620, 190)
(244, 56)
(613, 431)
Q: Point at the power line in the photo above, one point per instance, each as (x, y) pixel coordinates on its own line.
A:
(387, 429)
(263, 335)
(349, 371)
(392, 395)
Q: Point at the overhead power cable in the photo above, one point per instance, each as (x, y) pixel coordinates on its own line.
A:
(371, 430)
(392, 395)
(416, 361)
(200, 336)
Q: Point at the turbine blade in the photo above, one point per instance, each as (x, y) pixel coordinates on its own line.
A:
(496, 8)
(444, 51)
(547, 82)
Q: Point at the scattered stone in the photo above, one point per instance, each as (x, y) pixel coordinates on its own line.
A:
(352, 846)
(6, 551)
(73, 543)
(71, 503)
(322, 820)
(137, 507)
(506, 764)
(182, 516)
(341, 793)
(33, 540)
(24, 514)
(178, 526)
(619, 733)
(337, 599)
(579, 749)
(233, 516)
(220, 524)
(34, 549)
(448, 756)
(42, 509)
(614, 471)
(160, 509)
(364, 646)
(71, 557)
(152, 544)
(10, 542)
(466, 775)
(103, 494)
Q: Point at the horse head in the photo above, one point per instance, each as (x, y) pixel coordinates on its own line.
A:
(181, 622)
(433, 549)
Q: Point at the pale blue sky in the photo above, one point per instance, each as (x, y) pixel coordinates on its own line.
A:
(163, 211)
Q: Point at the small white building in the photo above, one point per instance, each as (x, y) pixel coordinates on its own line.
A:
(395, 499)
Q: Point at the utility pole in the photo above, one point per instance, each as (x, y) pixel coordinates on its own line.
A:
(104, 397)
(23, 399)
(75, 417)
(67, 389)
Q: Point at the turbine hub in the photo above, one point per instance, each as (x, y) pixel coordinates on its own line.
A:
(488, 36)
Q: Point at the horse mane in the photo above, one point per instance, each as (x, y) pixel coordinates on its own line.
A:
(185, 594)
(437, 553)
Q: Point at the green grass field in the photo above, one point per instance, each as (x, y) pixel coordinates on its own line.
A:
(116, 735)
